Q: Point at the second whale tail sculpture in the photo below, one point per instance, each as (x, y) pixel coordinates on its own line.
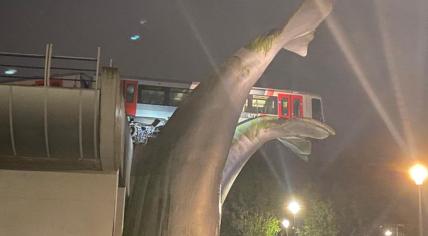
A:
(177, 185)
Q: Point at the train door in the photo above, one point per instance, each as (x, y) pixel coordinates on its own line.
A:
(317, 113)
(131, 94)
(284, 106)
(297, 106)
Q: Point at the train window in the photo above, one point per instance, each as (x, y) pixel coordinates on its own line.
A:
(296, 108)
(264, 104)
(258, 104)
(151, 95)
(316, 109)
(130, 92)
(176, 96)
(284, 106)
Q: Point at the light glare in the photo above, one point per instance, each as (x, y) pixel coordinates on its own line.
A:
(388, 232)
(363, 79)
(418, 173)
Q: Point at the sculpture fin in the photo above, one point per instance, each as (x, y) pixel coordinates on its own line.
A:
(300, 45)
(302, 25)
(300, 146)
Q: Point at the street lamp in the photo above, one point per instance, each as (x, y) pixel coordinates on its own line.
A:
(294, 207)
(285, 223)
(419, 174)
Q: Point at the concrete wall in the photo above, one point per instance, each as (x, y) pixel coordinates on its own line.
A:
(58, 203)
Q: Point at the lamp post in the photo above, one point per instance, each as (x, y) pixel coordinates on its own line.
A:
(285, 223)
(294, 207)
(419, 173)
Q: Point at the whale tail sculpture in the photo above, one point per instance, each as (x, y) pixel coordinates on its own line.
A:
(178, 184)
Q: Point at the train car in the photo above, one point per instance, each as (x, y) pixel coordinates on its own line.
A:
(284, 104)
(149, 100)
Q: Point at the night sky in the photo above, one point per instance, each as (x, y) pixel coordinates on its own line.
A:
(368, 62)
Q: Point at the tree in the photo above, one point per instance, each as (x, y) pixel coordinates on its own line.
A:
(257, 223)
(250, 221)
(320, 219)
(252, 207)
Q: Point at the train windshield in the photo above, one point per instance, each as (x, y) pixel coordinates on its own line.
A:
(261, 104)
(317, 109)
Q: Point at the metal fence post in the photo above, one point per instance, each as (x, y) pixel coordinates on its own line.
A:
(48, 69)
(45, 75)
(97, 70)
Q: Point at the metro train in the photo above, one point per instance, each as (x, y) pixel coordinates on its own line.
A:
(150, 103)
(147, 100)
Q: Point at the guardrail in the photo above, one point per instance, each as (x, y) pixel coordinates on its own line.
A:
(48, 67)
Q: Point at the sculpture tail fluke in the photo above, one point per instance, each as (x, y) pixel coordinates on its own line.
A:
(301, 27)
(299, 146)
(300, 45)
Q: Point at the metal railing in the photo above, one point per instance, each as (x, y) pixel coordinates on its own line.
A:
(48, 66)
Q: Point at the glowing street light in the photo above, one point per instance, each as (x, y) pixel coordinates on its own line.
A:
(294, 207)
(388, 232)
(286, 224)
(419, 174)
